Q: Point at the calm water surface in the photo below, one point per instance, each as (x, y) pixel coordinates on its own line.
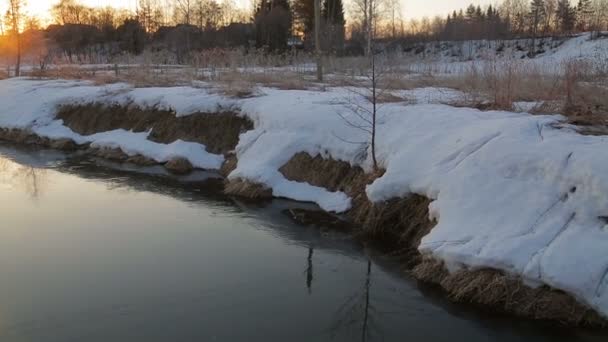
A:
(91, 253)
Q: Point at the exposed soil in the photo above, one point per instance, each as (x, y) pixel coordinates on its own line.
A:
(219, 132)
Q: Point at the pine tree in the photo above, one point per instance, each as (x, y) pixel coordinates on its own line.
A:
(565, 16)
(584, 11)
(304, 12)
(273, 24)
(537, 14)
(332, 14)
(471, 10)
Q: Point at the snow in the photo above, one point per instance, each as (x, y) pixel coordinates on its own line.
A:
(32, 104)
(455, 58)
(510, 191)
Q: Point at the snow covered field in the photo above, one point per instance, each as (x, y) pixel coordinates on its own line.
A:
(454, 58)
(510, 190)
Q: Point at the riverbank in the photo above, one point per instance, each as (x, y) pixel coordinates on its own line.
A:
(462, 194)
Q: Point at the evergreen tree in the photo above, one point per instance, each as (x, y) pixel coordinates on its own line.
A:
(333, 25)
(537, 15)
(273, 24)
(304, 13)
(333, 12)
(584, 11)
(471, 10)
(565, 16)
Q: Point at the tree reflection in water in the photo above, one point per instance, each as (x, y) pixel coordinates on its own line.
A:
(309, 270)
(357, 314)
(31, 179)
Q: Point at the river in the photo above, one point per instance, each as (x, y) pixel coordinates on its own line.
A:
(91, 251)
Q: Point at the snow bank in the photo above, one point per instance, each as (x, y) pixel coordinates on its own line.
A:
(451, 57)
(510, 191)
(32, 105)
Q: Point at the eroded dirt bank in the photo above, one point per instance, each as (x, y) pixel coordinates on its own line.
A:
(219, 131)
(399, 224)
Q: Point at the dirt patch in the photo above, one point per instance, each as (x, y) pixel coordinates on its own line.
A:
(497, 291)
(219, 132)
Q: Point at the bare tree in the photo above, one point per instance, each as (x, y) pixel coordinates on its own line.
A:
(599, 18)
(149, 14)
(364, 108)
(368, 13)
(14, 18)
(550, 9)
(184, 9)
(69, 12)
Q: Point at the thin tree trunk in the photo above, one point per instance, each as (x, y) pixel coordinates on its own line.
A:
(18, 66)
(370, 23)
(318, 40)
(374, 85)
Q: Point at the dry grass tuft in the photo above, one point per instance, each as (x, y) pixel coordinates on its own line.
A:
(497, 291)
(243, 188)
(219, 132)
(330, 174)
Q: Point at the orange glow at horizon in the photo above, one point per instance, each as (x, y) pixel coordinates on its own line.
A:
(410, 8)
(42, 8)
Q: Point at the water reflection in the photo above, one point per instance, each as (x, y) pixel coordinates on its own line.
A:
(181, 262)
(309, 270)
(31, 179)
(358, 314)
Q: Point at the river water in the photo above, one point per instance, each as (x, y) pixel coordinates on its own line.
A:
(91, 251)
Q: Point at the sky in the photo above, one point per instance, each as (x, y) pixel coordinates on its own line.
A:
(410, 8)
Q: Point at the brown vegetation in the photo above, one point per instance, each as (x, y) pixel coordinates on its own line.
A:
(219, 132)
(401, 223)
(247, 189)
(497, 291)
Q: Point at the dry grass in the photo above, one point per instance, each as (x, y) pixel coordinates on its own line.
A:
(327, 173)
(219, 132)
(575, 88)
(284, 80)
(497, 291)
(246, 189)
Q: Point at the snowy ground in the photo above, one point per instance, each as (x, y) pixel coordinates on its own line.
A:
(510, 191)
(470, 53)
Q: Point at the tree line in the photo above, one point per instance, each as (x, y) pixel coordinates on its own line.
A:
(514, 19)
(81, 33)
